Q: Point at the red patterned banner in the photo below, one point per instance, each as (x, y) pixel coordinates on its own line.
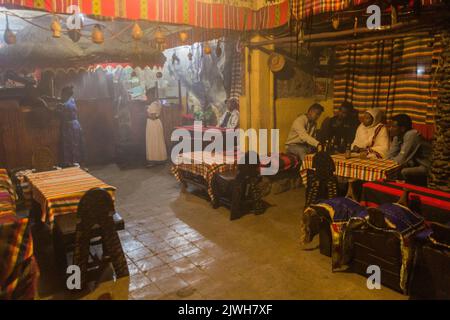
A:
(211, 14)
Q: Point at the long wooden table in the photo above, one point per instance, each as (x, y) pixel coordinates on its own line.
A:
(59, 191)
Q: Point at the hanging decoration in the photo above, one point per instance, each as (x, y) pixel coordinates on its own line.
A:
(9, 36)
(159, 75)
(97, 34)
(56, 27)
(335, 22)
(207, 49)
(137, 32)
(183, 36)
(160, 39)
(355, 26)
(190, 55)
(276, 62)
(393, 15)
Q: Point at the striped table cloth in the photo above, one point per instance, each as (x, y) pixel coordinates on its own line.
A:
(19, 272)
(8, 195)
(6, 184)
(356, 168)
(204, 165)
(59, 191)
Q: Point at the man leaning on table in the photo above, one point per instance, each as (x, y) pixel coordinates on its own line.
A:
(302, 137)
(410, 150)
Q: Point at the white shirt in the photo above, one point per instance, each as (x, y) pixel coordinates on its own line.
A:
(302, 131)
(233, 120)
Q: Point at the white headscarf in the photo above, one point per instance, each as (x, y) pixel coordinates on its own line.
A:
(377, 116)
(365, 135)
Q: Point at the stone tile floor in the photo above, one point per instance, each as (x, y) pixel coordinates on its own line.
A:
(178, 247)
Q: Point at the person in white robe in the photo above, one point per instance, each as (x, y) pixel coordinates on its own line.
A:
(156, 145)
(372, 135)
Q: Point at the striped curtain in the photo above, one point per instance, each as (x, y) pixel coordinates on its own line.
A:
(236, 75)
(301, 9)
(395, 75)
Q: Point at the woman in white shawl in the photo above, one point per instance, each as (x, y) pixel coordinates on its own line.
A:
(372, 136)
(156, 146)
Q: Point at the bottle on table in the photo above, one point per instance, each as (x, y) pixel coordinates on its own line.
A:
(348, 151)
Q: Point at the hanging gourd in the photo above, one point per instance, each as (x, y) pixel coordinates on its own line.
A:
(183, 36)
(207, 49)
(56, 28)
(137, 32)
(97, 35)
(335, 22)
(9, 36)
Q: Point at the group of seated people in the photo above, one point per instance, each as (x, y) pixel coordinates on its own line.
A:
(401, 143)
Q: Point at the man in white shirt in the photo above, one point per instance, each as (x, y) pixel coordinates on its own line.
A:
(230, 119)
(301, 139)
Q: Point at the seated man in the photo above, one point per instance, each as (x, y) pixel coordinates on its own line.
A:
(301, 139)
(341, 128)
(409, 149)
(230, 119)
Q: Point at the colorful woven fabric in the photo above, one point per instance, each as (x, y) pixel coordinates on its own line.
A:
(59, 191)
(8, 196)
(345, 215)
(394, 75)
(6, 184)
(304, 8)
(337, 212)
(211, 14)
(19, 271)
(236, 75)
(204, 166)
(356, 168)
(6, 202)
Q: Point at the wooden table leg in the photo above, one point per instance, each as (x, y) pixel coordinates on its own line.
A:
(350, 191)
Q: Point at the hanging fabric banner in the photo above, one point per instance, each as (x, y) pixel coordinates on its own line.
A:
(210, 14)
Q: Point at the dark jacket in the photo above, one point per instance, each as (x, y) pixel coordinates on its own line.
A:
(411, 150)
(342, 131)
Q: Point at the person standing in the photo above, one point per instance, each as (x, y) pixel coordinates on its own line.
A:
(156, 145)
(230, 119)
(301, 139)
(71, 133)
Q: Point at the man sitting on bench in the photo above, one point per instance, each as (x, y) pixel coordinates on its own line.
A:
(301, 139)
(410, 150)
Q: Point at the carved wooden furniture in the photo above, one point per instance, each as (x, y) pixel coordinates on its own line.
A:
(239, 190)
(431, 274)
(43, 159)
(95, 223)
(321, 182)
